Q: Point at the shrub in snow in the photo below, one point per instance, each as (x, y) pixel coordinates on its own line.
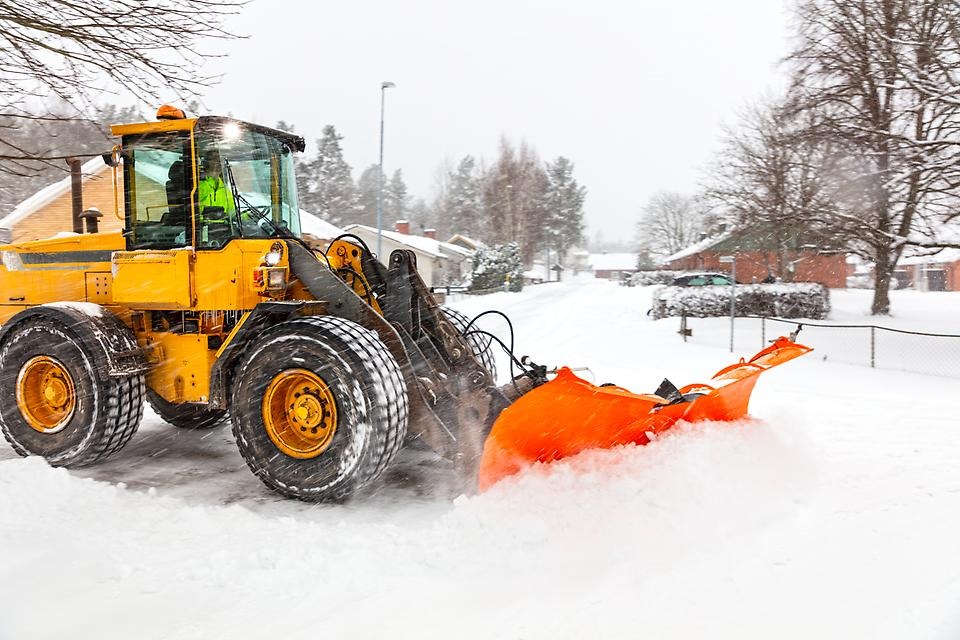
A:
(646, 278)
(796, 300)
(496, 265)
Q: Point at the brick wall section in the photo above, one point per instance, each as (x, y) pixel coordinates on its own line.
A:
(754, 266)
(56, 216)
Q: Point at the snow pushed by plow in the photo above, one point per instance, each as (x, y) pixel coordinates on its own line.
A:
(583, 537)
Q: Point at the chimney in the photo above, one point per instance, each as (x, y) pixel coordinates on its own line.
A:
(402, 226)
(430, 233)
(76, 191)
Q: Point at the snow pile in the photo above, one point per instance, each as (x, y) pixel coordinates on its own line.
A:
(596, 533)
(646, 278)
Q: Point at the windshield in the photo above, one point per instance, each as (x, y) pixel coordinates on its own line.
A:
(246, 188)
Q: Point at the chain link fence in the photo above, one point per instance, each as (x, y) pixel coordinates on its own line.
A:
(935, 354)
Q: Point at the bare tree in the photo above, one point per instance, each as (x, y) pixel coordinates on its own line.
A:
(769, 178)
(72, 51)
(669, 223)
(881, 77)
(514, 199)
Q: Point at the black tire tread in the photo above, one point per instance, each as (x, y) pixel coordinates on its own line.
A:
(191, 417)
(121, 396)
(367, 353)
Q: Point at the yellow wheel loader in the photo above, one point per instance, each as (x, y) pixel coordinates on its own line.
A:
(209, 304)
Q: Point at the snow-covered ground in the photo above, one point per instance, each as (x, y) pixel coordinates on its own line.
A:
(835, 513)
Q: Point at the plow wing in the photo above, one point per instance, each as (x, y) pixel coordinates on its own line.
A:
(568, 414)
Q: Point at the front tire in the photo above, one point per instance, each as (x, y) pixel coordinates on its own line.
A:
(68, 408)
(319, 408)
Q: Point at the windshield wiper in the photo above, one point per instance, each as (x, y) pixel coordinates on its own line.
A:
(275, 229)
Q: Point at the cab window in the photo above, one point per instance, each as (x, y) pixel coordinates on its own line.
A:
(157, 178)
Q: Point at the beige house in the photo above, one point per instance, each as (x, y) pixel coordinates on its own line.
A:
(49, 211)
(318, 232)
(439, 263)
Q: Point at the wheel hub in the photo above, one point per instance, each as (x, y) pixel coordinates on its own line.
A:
(299, 413)
(45, 393)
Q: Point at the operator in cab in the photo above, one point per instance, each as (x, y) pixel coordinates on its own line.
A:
(212, 191)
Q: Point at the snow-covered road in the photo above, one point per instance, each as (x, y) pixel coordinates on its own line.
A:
(834, 514)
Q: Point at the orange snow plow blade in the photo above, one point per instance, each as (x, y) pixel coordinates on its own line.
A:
(568, 414)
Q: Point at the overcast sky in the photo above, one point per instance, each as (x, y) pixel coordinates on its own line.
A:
(634, 93)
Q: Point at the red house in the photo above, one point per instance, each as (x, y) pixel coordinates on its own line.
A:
(758, 258)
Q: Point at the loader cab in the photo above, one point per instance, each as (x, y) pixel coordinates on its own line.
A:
(203, 182)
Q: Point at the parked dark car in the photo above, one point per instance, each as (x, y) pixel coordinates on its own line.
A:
(702, 279)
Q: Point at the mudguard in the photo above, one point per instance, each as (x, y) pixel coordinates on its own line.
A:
(568, 414)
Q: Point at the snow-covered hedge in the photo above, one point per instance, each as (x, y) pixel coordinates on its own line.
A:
(497, 266)
(646, 278)
(797, 300)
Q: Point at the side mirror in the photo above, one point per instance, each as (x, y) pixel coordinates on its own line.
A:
(112, 159)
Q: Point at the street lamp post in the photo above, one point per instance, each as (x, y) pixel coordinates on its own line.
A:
(732, 261)
(383, 92)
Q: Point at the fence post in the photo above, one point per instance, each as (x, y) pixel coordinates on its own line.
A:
(873, 346)
(684, 330)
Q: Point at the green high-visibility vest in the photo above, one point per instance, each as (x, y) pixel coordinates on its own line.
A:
(212, 192)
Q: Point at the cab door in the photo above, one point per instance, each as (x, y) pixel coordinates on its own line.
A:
(156, 270)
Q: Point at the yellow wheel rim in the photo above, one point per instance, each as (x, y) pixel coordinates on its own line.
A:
(45, 394)
(299, 413)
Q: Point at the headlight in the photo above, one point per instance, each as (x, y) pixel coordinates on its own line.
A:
(272, 259)
(276, 279)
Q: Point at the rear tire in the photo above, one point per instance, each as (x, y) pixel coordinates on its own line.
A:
(186, 415)
(63, 404)
(319, 408)
(482, 345)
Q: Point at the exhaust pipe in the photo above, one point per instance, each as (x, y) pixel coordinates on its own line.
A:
(76, 191)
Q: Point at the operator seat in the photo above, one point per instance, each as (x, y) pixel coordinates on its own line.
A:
(176, 214)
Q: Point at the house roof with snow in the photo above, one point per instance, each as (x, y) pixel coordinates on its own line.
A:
(763, 236)
(697, 247)
(50, 193)
(468, 243)
(613, 261)
(428, 246)
(317, 227)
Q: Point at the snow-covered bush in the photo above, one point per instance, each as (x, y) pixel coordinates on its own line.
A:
(646, 278)
(494, 266)
(797, 300)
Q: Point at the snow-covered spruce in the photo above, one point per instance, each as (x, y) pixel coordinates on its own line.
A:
(493, 267)
(796, 300)
(106, 409)
(368, 390)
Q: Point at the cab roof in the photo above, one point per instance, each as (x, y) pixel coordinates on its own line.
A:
(204, 123)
